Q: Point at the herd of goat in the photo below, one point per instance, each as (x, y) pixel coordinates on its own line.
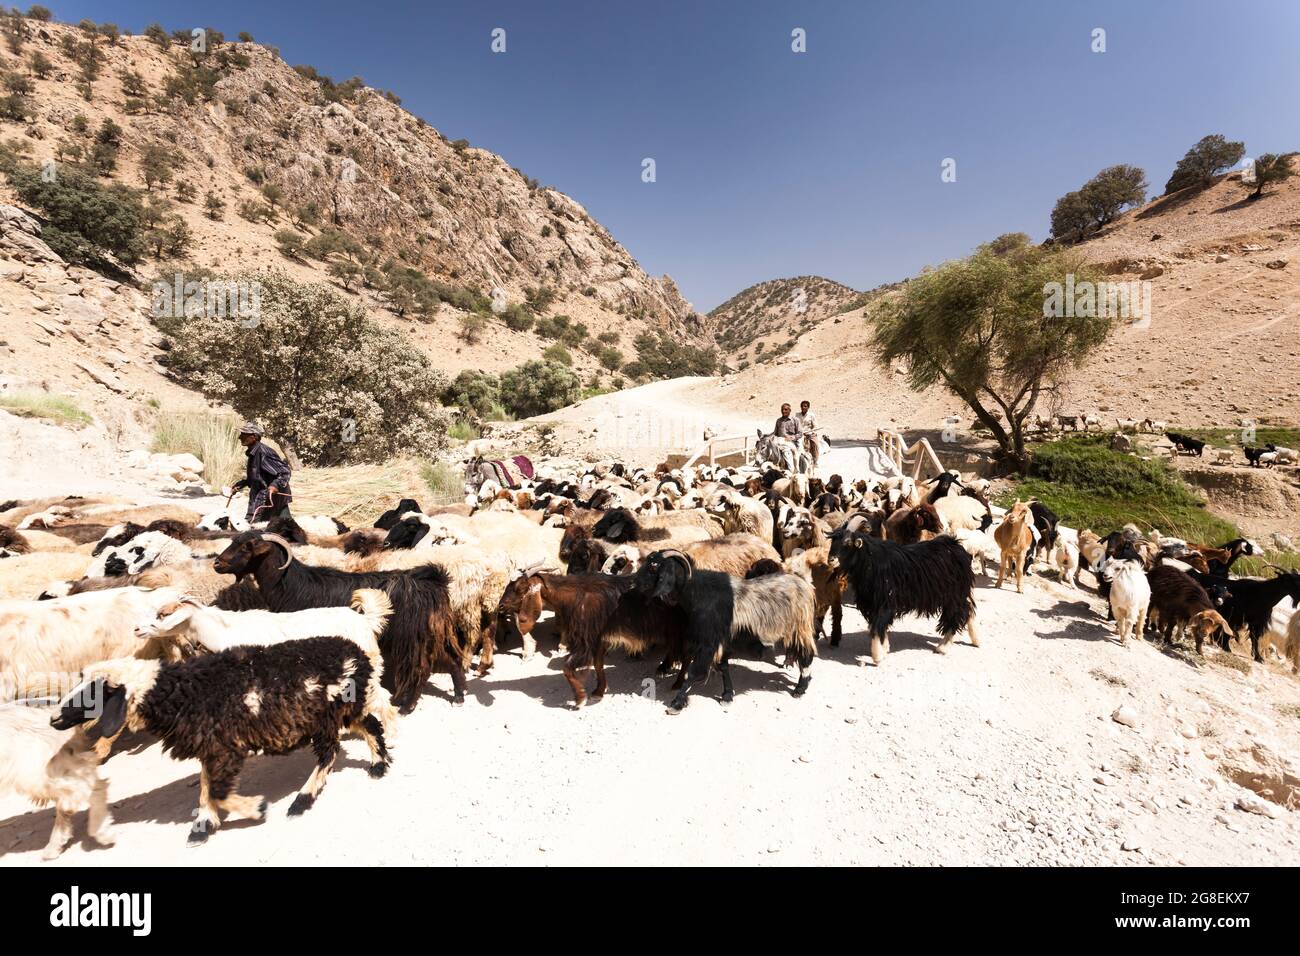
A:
(1257, 456)
(225, 641)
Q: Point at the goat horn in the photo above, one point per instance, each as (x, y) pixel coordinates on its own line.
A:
(288, 548)
(676, 555)
(851, 525)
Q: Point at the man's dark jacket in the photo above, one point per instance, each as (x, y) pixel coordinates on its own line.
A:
(266, 470)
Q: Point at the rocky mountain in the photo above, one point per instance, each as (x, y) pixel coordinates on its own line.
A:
(285, 149)
(760, 323)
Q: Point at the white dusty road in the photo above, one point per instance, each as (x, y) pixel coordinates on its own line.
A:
(1005, 754)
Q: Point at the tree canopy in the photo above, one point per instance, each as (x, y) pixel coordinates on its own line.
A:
(977, 327)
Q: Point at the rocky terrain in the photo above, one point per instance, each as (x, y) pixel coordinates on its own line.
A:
(367, 168)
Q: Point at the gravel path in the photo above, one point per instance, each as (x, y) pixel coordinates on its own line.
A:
(1003, 754)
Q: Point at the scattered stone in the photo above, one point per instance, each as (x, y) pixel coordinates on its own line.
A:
(1125, 714)
(1253, 803)
(1279, 263)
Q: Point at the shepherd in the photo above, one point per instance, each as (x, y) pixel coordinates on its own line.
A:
(268, 477)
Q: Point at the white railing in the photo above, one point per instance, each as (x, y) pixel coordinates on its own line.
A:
(897, 449)
(712, 451)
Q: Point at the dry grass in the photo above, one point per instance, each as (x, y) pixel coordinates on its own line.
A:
(358, 494)
(52, 408)
(211, 437)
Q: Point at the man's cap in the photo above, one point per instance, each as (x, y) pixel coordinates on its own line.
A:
(250, 428)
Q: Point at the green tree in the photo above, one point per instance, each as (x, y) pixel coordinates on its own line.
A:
(1269, 168)
(474, 390)
(977, 327)
(471, 327)
(1112, 190)
(306, 363)
(346, 272)
(156, 166)
(538, 387)
(213, 207)
(1209, 157)
(106, 147)
(88, 224)
(290, 243)
(41, 65)
(557, 353)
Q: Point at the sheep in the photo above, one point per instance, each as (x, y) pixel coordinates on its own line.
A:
(960, 512)
(25, 576)
(1268, 459)
(476, 580)
(13, 542)
(43, 642)
(146, 550)
(800, 531)
(1126, 425)
(979, 545)
(419, 636)
(776, 608)
(1179, 602)
(594, 612)
(197, 580)
(221, 708)
(222, 521)
(1154, 426)
(58, 767)
(321, 526)
(739, 513)
(889, 580)
(390, 517)
(1015, 539)
(732, 554)
(1285, 456)
(814, 566)
(619, 525)
(217, 630)
(1130, 595)
(908, 525)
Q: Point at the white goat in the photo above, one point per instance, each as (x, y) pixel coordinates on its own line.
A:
(1130, 596)
(58, 767)
(1065, 556)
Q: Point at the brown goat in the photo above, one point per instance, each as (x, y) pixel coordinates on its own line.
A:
(814, 566)
(594, 612)
(1178, 601)
(1014, 539)
(910, 525)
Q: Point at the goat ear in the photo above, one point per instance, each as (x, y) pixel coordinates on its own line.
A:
(667, 584)
(112, 715)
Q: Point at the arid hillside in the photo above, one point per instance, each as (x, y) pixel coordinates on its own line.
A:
(757, 324)
(246, 149)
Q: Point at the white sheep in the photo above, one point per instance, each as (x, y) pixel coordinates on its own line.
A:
(45, 644)
(149, 549)
(58, 767)
(217, 630)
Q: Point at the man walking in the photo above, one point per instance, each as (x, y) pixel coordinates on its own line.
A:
(268, 477)
(808, 429)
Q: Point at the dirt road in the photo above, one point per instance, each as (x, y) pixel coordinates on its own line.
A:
(1003, 754)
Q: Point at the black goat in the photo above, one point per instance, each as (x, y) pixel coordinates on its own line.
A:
(288, 529)
(942, 483)
(1185, 443)
(1045, 522)
(1179, 601)
(775, 608)
(1251, 601)
(889, 580)
(1253, 454)
(418, 638)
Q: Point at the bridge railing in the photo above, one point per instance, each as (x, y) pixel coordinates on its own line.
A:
(720, 446)
(924, 463)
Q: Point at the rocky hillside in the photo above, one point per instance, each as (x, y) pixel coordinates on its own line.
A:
(282, 149)
(755, 325)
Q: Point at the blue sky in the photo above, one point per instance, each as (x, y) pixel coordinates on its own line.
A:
(772, 163)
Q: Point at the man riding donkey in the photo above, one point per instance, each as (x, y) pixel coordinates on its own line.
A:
(800, 431)
(268, 477)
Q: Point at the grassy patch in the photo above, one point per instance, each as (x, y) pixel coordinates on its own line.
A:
(1232, 661)
(1113, 679)
(444, 481)
(1259, 567)
(1090, 486)
(210, 437)
(462, 431)
(358, 494)
(51, 408)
